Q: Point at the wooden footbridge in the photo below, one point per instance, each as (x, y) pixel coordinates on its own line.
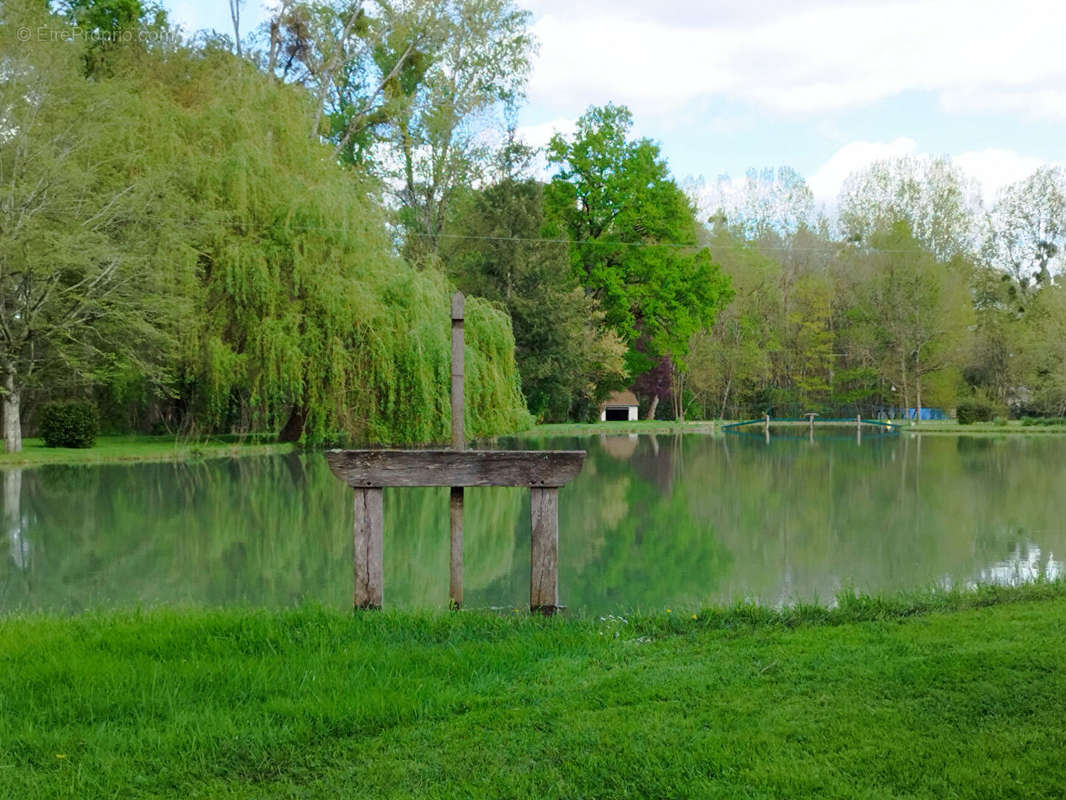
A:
(810, 421)
(542, 471)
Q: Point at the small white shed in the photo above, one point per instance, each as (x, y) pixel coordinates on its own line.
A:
(619, 407)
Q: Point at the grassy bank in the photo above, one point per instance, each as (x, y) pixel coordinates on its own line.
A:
(608, 428)
(168, 448)
(136, 448)
(716, 427)
(982, 428)
(958, 695)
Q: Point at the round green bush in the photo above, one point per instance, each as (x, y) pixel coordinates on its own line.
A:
(72, 423)
(970, 411)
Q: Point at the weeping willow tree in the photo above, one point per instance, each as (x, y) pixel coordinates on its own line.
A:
(307, 321)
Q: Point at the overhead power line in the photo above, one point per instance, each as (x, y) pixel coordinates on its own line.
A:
(594, 242)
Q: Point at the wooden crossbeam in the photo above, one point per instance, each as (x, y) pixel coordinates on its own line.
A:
(534, 468)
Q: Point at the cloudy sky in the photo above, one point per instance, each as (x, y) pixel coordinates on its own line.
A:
(823, 86)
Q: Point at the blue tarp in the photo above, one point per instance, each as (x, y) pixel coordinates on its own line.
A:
(911, 413)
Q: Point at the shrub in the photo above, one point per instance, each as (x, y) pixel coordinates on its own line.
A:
(1030, 421)
(72, 423)
(970, 411)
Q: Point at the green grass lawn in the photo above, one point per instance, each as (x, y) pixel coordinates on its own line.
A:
(1008, 426)
(135, 448)
(958, 697)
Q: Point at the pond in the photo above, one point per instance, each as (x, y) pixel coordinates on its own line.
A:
(651, 522)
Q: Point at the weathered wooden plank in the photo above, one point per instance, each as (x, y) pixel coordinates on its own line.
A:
(544, 550)
(367, 536)
(363, 468)
(455, 589)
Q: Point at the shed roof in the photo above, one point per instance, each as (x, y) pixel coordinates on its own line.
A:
(621, 399)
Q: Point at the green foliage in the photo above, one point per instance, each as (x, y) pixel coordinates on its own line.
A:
(407, 90)
(72, 423)
(233, 273)
(974, 410)
(565, 355)
(83, 218)
(633, 237)
(310, 314)
(936, 200)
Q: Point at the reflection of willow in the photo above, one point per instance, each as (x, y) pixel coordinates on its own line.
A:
(270, 531)
(252, 530)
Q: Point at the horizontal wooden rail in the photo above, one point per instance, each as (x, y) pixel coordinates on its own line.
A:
(362, 469)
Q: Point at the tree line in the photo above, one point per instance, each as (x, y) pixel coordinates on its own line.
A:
(258, 232)
(913, 294)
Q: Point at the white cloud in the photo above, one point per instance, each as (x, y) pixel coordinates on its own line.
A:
(826, 181)
(540, 134)
(994, 168)
(801, 57)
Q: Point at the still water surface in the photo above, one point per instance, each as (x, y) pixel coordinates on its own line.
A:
(651, 522)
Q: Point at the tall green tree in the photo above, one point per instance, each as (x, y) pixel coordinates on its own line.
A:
(309, 323)
(80, 220)
(440, 136)
(169, 224)
(633, 238)
(414, 90)
(566, 356)
(919, 309)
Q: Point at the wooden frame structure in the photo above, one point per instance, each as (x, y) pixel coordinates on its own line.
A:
(543, 471)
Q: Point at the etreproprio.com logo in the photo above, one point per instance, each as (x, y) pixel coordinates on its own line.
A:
(47, 33)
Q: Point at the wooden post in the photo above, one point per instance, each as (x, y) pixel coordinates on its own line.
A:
(544, 550)
(858, 429)
(367, 540)
(458, 372)
(455, 516)
(455, 504)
